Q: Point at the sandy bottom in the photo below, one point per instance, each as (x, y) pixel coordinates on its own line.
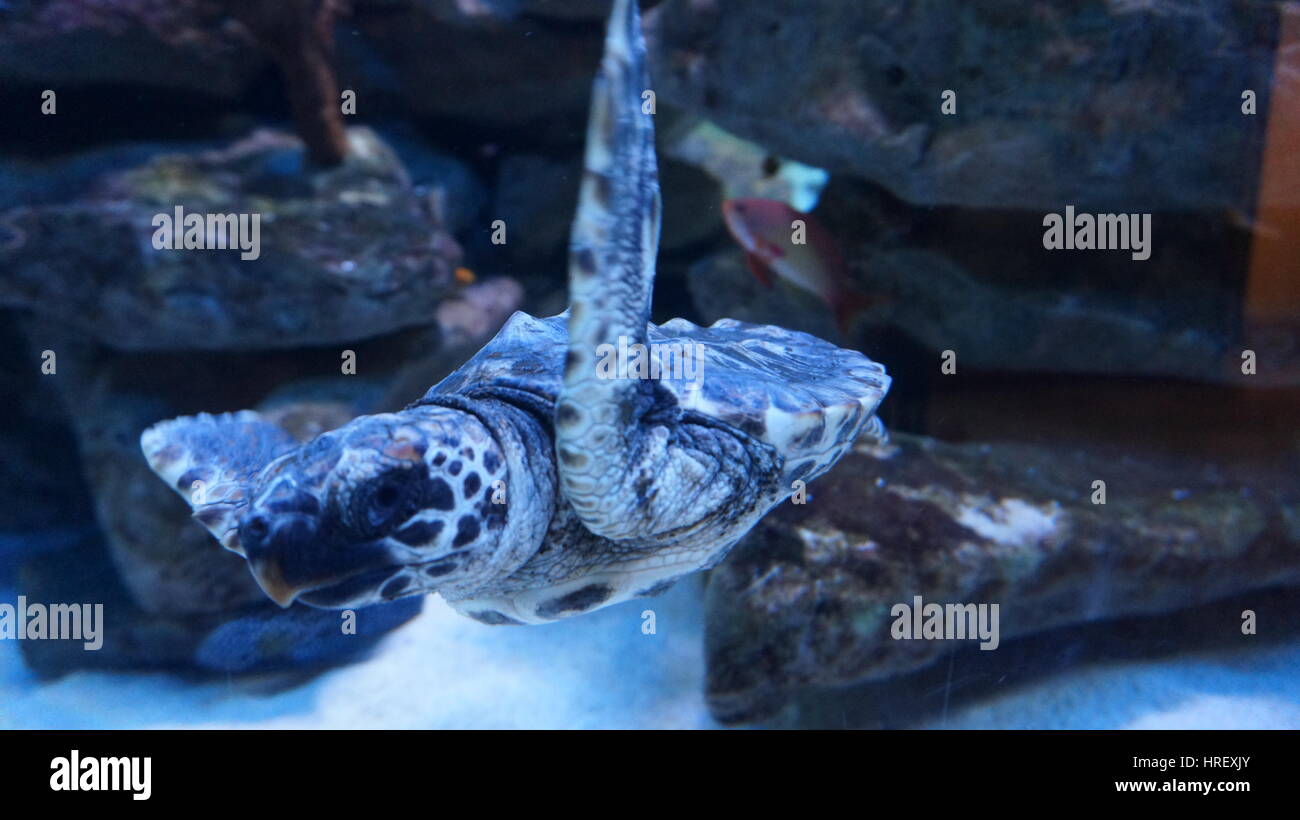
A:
(601, 671)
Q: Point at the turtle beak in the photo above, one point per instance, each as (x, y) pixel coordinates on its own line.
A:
(290, 561)
(271, 580)
(265, 539)
(231, 542)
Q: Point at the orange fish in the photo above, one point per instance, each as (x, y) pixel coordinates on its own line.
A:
(766, 230)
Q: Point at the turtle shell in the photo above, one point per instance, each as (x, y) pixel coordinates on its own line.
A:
(804, 396)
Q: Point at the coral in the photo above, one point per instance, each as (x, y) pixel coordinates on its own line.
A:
(299, 36)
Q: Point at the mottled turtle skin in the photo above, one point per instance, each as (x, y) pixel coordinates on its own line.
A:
(535, 483)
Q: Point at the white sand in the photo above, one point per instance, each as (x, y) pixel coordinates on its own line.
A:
(600, 671)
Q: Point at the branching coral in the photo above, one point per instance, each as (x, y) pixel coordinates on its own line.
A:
(299, 36)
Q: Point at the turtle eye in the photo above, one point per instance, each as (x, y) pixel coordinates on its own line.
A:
(387, 501)
(387, 496)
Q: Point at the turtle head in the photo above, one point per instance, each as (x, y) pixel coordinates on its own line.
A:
(385, 506)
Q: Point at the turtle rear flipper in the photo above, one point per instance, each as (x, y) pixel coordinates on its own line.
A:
(632, 461)
(612, 249)
(211, 462)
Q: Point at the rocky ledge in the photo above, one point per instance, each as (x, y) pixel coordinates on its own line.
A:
(806, 600)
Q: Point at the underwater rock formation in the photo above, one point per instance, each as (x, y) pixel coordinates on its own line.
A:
(183, 45)
(495, 69)
(535, 198)
(981, 284)
(723, 286)
(805, 601)
(346, 253)
(941, 306)
(856, 88)
(42, 491)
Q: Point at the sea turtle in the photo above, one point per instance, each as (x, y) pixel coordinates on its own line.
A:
(561, 469)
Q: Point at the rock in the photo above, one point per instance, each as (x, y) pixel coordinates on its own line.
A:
(722, 287)
(587, 10)
(537, 195)
(470, 319)
(485, 68)
(180, 45)
(46, 500)
(1065, 665)
(805, 601)
(435, 58)
(28, 181)
(1085, 103)
(465, 323)
(459, 196)
(979, 283)
(347, 253)
(535, 198)
(460, 11)
(692, 207)
(939, 304)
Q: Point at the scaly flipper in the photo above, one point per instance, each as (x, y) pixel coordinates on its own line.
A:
(212, 462)
(630, 462)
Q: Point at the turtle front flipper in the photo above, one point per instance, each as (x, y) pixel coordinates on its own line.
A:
(615, 234)
(212, 461)
(612, 250)
(631, 462)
